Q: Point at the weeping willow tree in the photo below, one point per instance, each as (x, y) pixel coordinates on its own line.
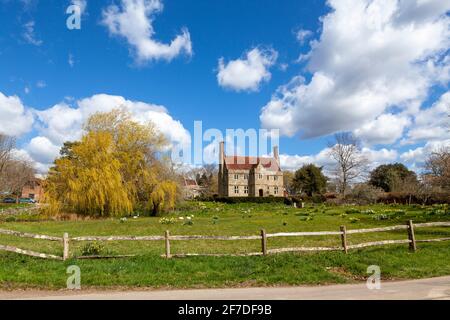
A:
(112, 171)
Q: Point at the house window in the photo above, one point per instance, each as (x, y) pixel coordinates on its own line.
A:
(275, 178)
(246, 189)
(246, 176)
(236, 177)
(275, 190)
(260, 176)
(236, 189)
(268, 178)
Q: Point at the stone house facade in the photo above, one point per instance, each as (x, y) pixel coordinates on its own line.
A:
(241, 176)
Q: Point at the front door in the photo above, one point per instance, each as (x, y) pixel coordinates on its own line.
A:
(261, 192)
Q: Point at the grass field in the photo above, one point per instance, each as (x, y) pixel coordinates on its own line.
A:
(148, 269)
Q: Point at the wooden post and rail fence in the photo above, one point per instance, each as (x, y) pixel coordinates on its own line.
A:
(263, 237)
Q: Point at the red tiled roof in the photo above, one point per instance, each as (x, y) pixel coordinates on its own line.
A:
(190, 182)
(247, 163)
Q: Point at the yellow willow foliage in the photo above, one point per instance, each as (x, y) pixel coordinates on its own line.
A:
(90, 182)
(135, 146)
(112, 170)
(163, 197)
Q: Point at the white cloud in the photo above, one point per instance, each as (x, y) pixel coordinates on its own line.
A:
(42, 150)
(416, 157)
(15, 119)
(302, 35)
(23, 155)
(372, 55)
(378, 157)
(323, 159)
(431, 124)
(133, 20)
(247, 73)
(386, 129)
(60, 123)
(29, 34)
(294, 162)
(63, 122)
(141, 111)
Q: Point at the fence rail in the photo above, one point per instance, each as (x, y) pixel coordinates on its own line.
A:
(263, 237)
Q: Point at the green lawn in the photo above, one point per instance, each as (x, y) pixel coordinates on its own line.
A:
(148, 269)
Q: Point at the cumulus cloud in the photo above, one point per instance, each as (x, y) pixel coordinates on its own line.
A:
(386, 129)
(63, 122)
(15, 119)
(323, 159)
(415, 158)
(431, 124)
(372, 55)
(133, 20)
(293, 162)
(247, 73)
(42, 150)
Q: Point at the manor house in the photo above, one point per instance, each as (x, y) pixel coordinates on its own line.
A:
(241, 176)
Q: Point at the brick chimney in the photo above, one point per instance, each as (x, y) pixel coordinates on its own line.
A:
(221, 155)
(276, 155)
(221, 164)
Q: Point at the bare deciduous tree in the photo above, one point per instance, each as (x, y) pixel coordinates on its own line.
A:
(437, 168)
(350, 163)
(7, 144)
(17, 174)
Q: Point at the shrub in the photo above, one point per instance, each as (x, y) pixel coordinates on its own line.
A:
(10, 219)
(92, 249)
(231, 200)
(405, 198)
(318, 198)
(365, 194)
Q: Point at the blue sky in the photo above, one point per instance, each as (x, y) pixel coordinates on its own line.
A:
(44, 64)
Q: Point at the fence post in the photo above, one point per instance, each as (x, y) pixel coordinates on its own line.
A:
(264, 242)
(166, 236)
(411, 236)
(344, 238)
(65, 246)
